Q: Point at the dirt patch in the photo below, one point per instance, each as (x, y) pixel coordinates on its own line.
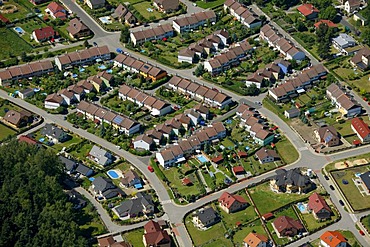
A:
(305, 131)
(348, 163)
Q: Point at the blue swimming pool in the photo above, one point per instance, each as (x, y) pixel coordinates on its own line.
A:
(42, 139)
(301, 207)
(112, 174)
(92, 179)
(202, 159)
(19, 30)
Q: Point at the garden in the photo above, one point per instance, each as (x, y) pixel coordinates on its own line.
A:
(349, 236)
(344, 179)
(11, 44)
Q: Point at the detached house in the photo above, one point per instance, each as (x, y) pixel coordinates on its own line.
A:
(290, 181)
(255, 240)
(103, 188)
(342, 42)
(17, 119)
(265, 155)
(319, 207)
(55, 134)
(141, 205)
(155, 236)
(124, 15)
(351, 6)
(333, 239)
(100, 156)
(285, 226)
(44, 34)
(77, 29)
(328, 136)
(56, 11)
(205, 218)
(166, 6)
(361, 59)
(95, 4)
(361, 129)
(130, 179)
(232, 203)
(308, 11)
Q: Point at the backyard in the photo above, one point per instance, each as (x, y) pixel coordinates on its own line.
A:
(6, 132)
(243, 231)
(11, 44)
(286, 150)
(344, 179)
(351, 239)
(135, 237)
(261, 192)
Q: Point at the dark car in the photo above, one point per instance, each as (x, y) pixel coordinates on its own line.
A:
(76, 126)
(326, 177)
(331, 187)
(146, 24)
(341, 202)
(95, 44)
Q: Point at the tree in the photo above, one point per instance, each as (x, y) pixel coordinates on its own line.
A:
(91, 96)
(36, 212)
(301, 27)
(125, 34)
(328, 13)
(365, 35)
(24, 57)
(199, 70)
(86, 44)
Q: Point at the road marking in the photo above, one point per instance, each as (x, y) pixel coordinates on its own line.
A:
(327, 158)
(303, 148)
(167, 202)
(354, 218)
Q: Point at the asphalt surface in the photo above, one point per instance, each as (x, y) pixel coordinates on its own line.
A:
(175, 213)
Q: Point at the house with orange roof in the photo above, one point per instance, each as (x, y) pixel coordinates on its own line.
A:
(255, 240)
(332, 239)
(329, 23)
(361, 129)
(232, 203)
(308, 11)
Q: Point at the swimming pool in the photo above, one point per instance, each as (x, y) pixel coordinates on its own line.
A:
(92, 179)
(202, 159)
(42, 139)
(112, 174)
(301, 207)
(19, 30)
(105, 19)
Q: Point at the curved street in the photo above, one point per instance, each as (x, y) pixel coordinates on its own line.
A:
(175, 213)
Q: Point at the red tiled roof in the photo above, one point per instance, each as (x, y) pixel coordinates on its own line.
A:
(307, 9)
(227, 199)
(27, 139)
(267, 216)
(316, 203)
(361, 127)
(186, 181)
(332, 238)
(327, 22)
(44, 33)
(218, 159)
(4, 19)
(242, 154)
(238, 169)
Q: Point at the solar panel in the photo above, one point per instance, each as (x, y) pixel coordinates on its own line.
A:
(328, 138)
(118, 120)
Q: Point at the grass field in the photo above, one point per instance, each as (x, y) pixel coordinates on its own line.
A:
(135, 237)
(5, 131)
(312, 224)
(353, 195)
(255, 226)
(262, 194)
(11, 43)
(75, 139)
(19, 14)
(142, 9)
(212, 236)
(210, 4)
(286, 150)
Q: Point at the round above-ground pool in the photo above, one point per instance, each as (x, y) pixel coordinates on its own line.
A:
(113, 174)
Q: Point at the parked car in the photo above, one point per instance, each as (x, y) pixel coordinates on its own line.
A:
(150, 168)
(341, 202)
(76, 126)
(331, 187)
(95, 44)
(361, 233)
(326, 177)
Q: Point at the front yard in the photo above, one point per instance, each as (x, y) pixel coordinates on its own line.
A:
(6, 132)
(135, 237)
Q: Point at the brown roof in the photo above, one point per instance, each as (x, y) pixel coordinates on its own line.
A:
(255, 239)
(284, 222)
(75, 26)
(264, 152)
(316, 203)
(168, 5)
(175, 80)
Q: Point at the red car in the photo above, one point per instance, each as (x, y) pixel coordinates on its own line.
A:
(274, 128)
(151, 169)
(361, 232)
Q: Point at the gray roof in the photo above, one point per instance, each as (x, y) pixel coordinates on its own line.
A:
(53, 131)
(97, 2)
(84, 170)
(344, 39)
(68, 163)
(291, 177)
(102, 155)
(207, 214)
(103, 184)
(366, 179)
(293, 110)
(136, 205)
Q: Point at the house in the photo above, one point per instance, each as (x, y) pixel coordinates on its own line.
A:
(84, 170)
(69, 164)
(54, 134)
(319, 207)
(292, 113)
(155, 236)
(361, 129)
(186, 55)
(232, 203)
(346, 105)
(192, 22)
(139, 37)
(67, 95)
(17, 119)
(329, 23)
(203, 111)
(328, 136)
(205, 217)
(246, 16)
(144, 142)
(103, 188)
(53, 101)
(155, 135)
(113, 241)
(265, 155)
(76, 199)
(343, 41)
(224, 36)
(141, 205)
(56, 10)
(124, 15)
(361, 59)
(44, 34)
(284, 65)
(290, 181)
(365, 178)
(77, 29)
(351, 6)
(358, 17)
(26, 93)
(100, 156)
(82, 57)
(285, 226)
(308, 11)
(166, 6)
(95, 4)
(130, 179)
(333, 239)
(255, 240)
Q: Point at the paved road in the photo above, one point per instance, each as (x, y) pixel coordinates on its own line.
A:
(258, 11)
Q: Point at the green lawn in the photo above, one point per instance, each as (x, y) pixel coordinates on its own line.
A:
(242, 216)
(82, 152)
(313, 225)
(142, 9)
(353, 195)
(5, 131)
(135, 237)
(29, 27)
(19, 14)
(93, 226)
(11, 43)
(267, 201)
(74, 140)
(242, 232)
(215, 234)
(286, 151)
(209, 4)
(366, 222)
